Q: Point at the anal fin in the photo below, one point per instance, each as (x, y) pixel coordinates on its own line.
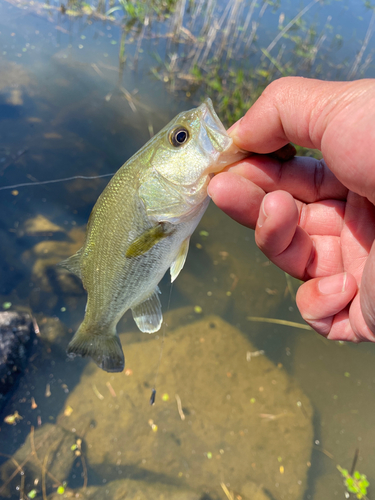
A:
(147, 314)
(179, 261)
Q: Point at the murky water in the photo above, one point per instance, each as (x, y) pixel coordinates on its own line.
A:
(244, 409)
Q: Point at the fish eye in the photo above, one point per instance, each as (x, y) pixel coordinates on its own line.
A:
(179, 136)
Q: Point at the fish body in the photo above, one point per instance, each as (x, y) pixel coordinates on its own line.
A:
(141, 225)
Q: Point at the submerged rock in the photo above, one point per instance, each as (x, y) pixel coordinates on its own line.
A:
(217, 418)
(252, 491)
(52, 282)
(40, 226)
(43, 257)
(16, 332)
(12, 75)
(50, 449)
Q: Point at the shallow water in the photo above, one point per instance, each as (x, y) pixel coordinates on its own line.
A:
(66, 110)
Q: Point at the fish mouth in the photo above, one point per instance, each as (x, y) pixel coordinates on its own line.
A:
(214, 138)
(213, 127)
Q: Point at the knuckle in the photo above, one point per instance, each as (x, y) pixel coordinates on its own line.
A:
(319, 178)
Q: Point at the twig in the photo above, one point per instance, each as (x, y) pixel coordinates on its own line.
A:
(179, 407)
(364, 66)
(279, 322)
(246, 24)
(84, 467)
(96, 69)
(325, 452)
(254, 27)
(48, 391)
(13, 159)
(32, 442)
(22, 488)
(270, 416)
(44, 468)
(16, 471)
(140, 39)
(178, 18)
(289, 25)
(358, 59)
(290, 286)
(253, 354)
(228, 494)
(150, 129)
(10, 458)
(302, 408)
(129, 98)
(354, 461)
(209, 41)
(31, 454)
(97, 393)
(111, 389)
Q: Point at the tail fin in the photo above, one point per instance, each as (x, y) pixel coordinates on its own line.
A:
(104, 347)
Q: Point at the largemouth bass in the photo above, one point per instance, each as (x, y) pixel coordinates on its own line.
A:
(141, 225)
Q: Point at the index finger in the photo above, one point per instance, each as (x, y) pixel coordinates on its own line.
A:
(287, 110)
(334, 117)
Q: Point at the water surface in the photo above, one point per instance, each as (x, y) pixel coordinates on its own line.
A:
(69, 107)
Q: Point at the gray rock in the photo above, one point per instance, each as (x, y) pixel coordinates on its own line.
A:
(16, 333)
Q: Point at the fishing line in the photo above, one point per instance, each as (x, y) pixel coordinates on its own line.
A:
(53, 181)
(153, 392)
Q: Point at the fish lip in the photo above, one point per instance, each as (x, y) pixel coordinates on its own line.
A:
(215, 142)
(214, 128)
(223, 149)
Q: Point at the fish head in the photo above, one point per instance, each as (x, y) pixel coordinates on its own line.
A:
(194, 145)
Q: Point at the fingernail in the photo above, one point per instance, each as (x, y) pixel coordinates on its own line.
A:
(333, 284)
(262, 214)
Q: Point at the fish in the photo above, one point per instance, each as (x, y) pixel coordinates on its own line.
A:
(141, 226)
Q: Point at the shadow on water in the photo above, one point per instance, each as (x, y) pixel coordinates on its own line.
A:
(8, 112)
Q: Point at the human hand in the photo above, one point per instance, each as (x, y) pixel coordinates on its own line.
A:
(314, 219)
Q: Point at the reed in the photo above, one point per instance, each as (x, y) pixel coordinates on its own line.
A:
(370, 30)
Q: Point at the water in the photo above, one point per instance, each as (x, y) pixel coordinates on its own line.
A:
(275, 423)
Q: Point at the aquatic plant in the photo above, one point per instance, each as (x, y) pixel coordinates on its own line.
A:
(139, 10)
(220, 49)
(228, 50)
(355, 482)
(222, 56)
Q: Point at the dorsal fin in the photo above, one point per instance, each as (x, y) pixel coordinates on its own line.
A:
(73, 263)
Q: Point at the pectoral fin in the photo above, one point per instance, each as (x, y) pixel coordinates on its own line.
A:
(147, 314)
(148, 239)
(179, 262)
(73, 263)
